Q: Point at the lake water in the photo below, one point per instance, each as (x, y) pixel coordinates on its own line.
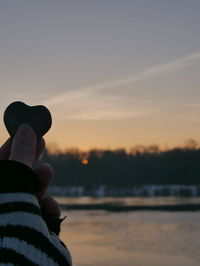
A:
(142, 238)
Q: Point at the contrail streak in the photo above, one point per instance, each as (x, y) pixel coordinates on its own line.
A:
(148, 73)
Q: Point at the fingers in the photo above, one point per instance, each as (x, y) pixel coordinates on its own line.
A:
(50, 207)
(39, 149)
(5, 149)
(24, 146)
(44, 174)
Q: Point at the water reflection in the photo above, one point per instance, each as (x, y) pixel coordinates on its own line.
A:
(128, 201)
(134, 238)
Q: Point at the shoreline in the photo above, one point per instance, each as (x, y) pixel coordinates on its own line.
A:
(124, 208)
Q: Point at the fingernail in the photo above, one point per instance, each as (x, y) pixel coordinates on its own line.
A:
(25, 128)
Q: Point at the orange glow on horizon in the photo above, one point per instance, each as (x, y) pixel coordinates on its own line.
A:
(84, 161)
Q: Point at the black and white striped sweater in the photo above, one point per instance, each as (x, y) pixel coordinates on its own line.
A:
(25, 238)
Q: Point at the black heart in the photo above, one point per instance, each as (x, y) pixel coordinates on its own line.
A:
(38, 117)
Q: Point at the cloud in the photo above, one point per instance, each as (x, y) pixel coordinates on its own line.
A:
(103, 107)
(148, 73)
(106, 114)
(86, 103)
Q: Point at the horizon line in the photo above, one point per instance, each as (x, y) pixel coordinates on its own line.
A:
(188, 144)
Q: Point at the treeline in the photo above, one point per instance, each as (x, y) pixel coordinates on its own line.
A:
(141, 166)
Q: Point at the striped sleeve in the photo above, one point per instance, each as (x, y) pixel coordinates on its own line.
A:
(24, 236)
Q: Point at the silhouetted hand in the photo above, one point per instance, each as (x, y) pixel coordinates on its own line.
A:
(25, 149)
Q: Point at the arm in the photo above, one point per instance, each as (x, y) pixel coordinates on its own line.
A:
(25, 238)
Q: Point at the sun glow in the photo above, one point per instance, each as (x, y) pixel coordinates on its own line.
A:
(84, 161)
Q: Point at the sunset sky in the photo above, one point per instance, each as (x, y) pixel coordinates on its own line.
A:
(113, 73)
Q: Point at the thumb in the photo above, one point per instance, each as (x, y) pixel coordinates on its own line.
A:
(24, 146)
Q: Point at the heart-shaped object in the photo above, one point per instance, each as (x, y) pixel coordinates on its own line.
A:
(38, 117)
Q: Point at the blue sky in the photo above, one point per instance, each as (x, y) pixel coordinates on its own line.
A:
(113, 73)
